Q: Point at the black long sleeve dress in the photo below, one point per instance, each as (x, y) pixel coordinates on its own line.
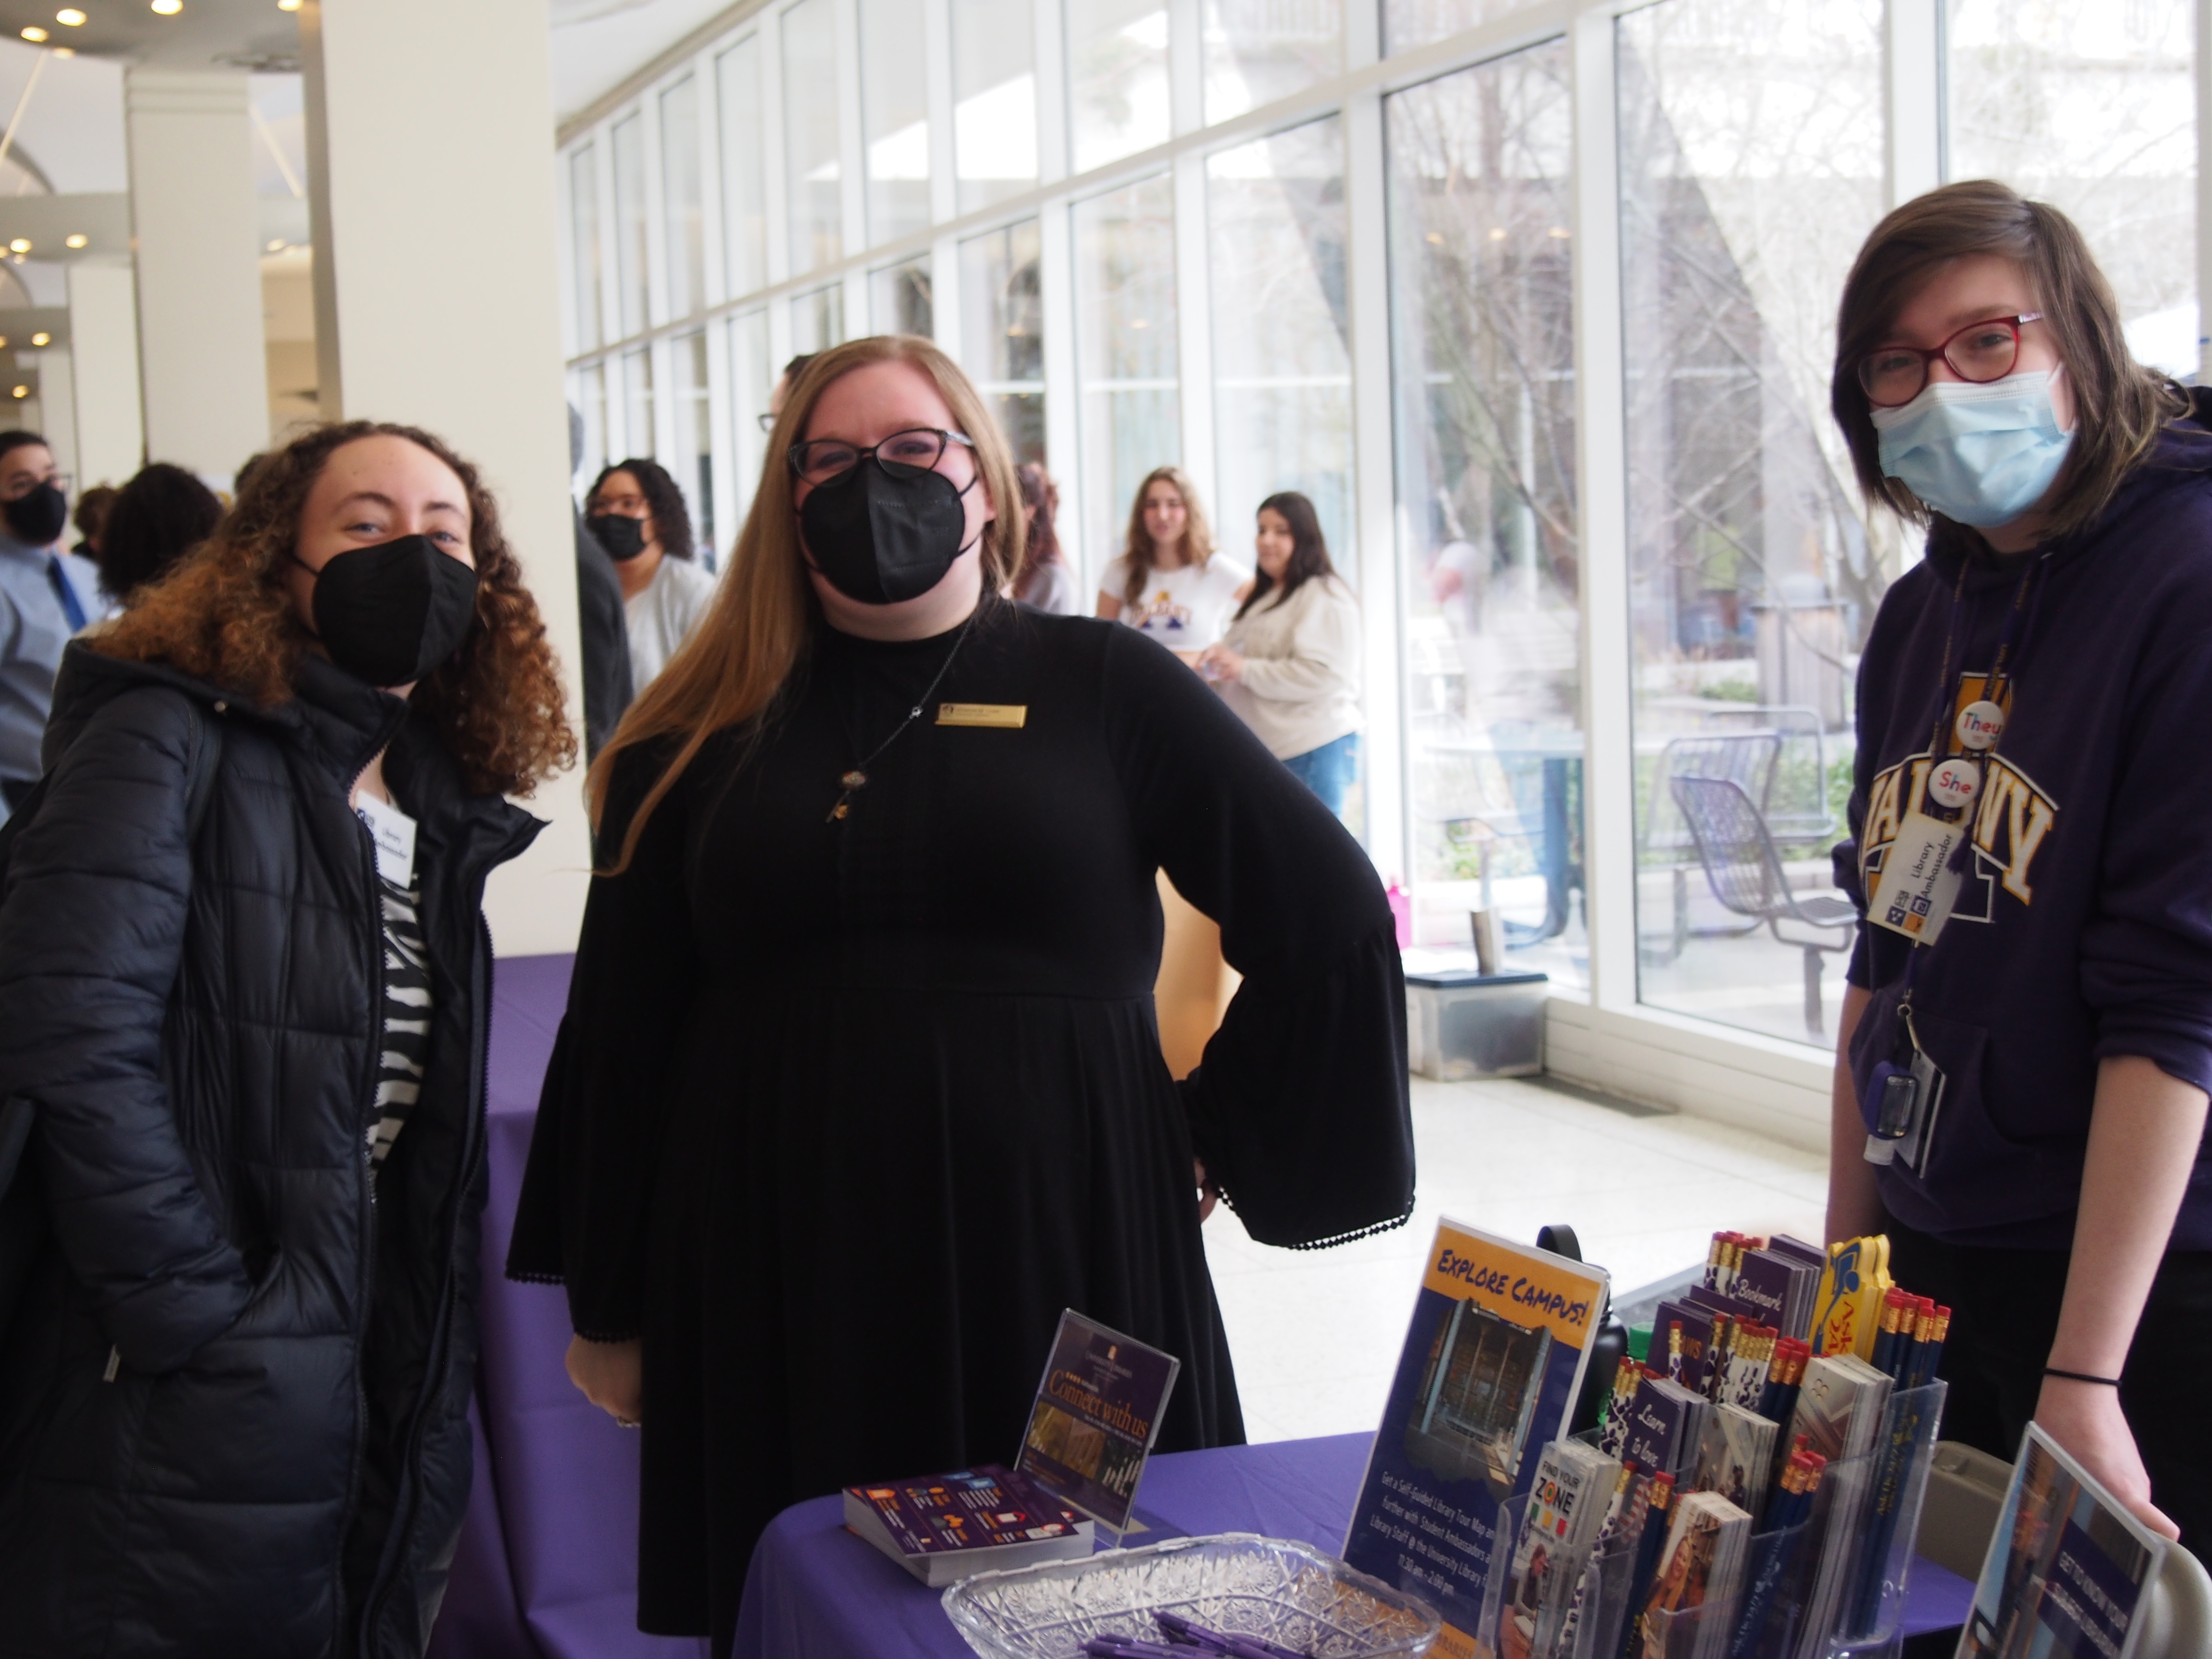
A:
(844, 1112)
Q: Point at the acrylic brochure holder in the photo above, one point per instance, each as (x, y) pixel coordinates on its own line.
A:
(1864, 1520)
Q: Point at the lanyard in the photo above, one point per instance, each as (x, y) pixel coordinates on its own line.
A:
(1995, 683)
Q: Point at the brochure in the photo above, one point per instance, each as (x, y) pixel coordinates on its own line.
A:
(2070, 1569)
(1097, 1415)
(1491, 1369)
(949, 1526)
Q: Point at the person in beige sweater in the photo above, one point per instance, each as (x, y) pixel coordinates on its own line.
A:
(1289, 663)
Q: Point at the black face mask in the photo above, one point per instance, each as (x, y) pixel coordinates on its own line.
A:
(391, 613)
(39, 516)
(623, 537)
(881, 536)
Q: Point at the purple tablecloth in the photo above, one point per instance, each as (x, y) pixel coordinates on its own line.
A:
(547, 1567)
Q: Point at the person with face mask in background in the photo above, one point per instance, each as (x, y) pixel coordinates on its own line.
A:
(638, 514)
(241, 1077)
(837, 995)
(45, 596)
(602, 625)
(2025, 1047)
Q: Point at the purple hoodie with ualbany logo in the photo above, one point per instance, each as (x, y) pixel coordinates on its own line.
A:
(2084, 926)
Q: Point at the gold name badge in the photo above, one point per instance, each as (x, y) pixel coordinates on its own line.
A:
(1009, 716)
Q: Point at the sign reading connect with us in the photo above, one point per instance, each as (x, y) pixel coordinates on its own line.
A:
(1528, 1295)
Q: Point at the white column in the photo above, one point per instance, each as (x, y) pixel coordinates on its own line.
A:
(194, 223)
(111, 427)
(1374, 553)
(1913, 42)
(438, 304)
(1609, 763)
(57, 407)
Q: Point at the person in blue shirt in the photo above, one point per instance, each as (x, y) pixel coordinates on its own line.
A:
(45, 596)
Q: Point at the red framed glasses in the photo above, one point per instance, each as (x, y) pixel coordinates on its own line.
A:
(1982, 351)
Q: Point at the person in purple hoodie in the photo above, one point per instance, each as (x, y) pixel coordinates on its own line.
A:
(2026, 1043)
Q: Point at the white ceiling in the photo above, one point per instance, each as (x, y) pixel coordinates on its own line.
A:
(600, 44)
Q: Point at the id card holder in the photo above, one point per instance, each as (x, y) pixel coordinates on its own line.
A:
(1917, 888)
(1912, 1153)
(393, 832)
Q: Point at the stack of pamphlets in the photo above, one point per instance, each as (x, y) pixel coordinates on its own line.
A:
(973, 1521)
(2069, 1570)
(1838, 1416)
(1699, 1564)
(1091, 1428)
(1575, 1487)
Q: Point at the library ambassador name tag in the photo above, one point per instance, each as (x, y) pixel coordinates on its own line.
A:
(1917, 886)
(1009, 716)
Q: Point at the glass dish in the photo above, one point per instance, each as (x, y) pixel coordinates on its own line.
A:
(1286, 1593)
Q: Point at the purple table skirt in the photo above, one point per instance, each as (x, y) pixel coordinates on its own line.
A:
(547, 1567)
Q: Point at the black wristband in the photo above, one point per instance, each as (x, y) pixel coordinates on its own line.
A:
(2082, 1376)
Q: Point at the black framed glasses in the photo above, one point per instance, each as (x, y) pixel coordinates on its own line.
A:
(918, 449)
(1894, 375)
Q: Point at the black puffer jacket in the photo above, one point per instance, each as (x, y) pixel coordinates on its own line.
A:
(232, 1400)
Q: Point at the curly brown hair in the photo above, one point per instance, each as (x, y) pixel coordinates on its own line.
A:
(225, 615)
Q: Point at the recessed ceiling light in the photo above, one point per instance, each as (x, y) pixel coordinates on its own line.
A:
(4, 343)
(288, 5)
(42, 339)
(34, 34)
(21, 245)
(64, 51)
(77, 241)
(168, 7)
(70, 17)
(22, 392)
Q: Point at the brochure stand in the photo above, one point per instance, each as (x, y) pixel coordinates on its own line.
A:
(1864, 1520)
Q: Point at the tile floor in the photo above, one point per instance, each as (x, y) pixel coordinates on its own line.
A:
(1315, 1335)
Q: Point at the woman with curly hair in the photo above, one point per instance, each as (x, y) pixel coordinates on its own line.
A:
(246, 974)
(637, 512)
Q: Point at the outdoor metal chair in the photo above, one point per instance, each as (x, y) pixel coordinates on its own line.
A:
(1746, 874)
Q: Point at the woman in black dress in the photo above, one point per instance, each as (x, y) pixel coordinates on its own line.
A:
(860, 1084)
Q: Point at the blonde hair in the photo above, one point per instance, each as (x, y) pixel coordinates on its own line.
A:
(737, 660)
(1197, 535)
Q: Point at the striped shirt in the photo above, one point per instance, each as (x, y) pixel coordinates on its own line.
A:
(406, 1048)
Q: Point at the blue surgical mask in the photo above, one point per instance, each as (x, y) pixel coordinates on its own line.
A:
(1980, 454)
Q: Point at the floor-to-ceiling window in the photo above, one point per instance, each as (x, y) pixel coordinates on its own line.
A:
(1483, 338)
(1127, 375)
(1002, 330)
(1225, 234)
(1751, 169)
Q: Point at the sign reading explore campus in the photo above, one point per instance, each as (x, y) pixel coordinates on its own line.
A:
(1490, 1371)
(1097, 1415)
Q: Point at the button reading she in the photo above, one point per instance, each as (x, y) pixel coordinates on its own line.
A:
(1980, 724)
(1953, 782)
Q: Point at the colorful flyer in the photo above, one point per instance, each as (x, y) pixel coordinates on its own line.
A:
(2069, 1569)
(1490, 1372)
(1097, 1415)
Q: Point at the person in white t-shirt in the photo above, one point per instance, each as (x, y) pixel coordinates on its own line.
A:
(1171, 583)
(1289, 665)
(637, 513)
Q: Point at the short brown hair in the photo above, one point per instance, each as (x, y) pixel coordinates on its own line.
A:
(225, 615)
(2119, 405)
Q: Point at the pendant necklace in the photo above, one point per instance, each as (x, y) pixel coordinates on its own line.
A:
(857, 775)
